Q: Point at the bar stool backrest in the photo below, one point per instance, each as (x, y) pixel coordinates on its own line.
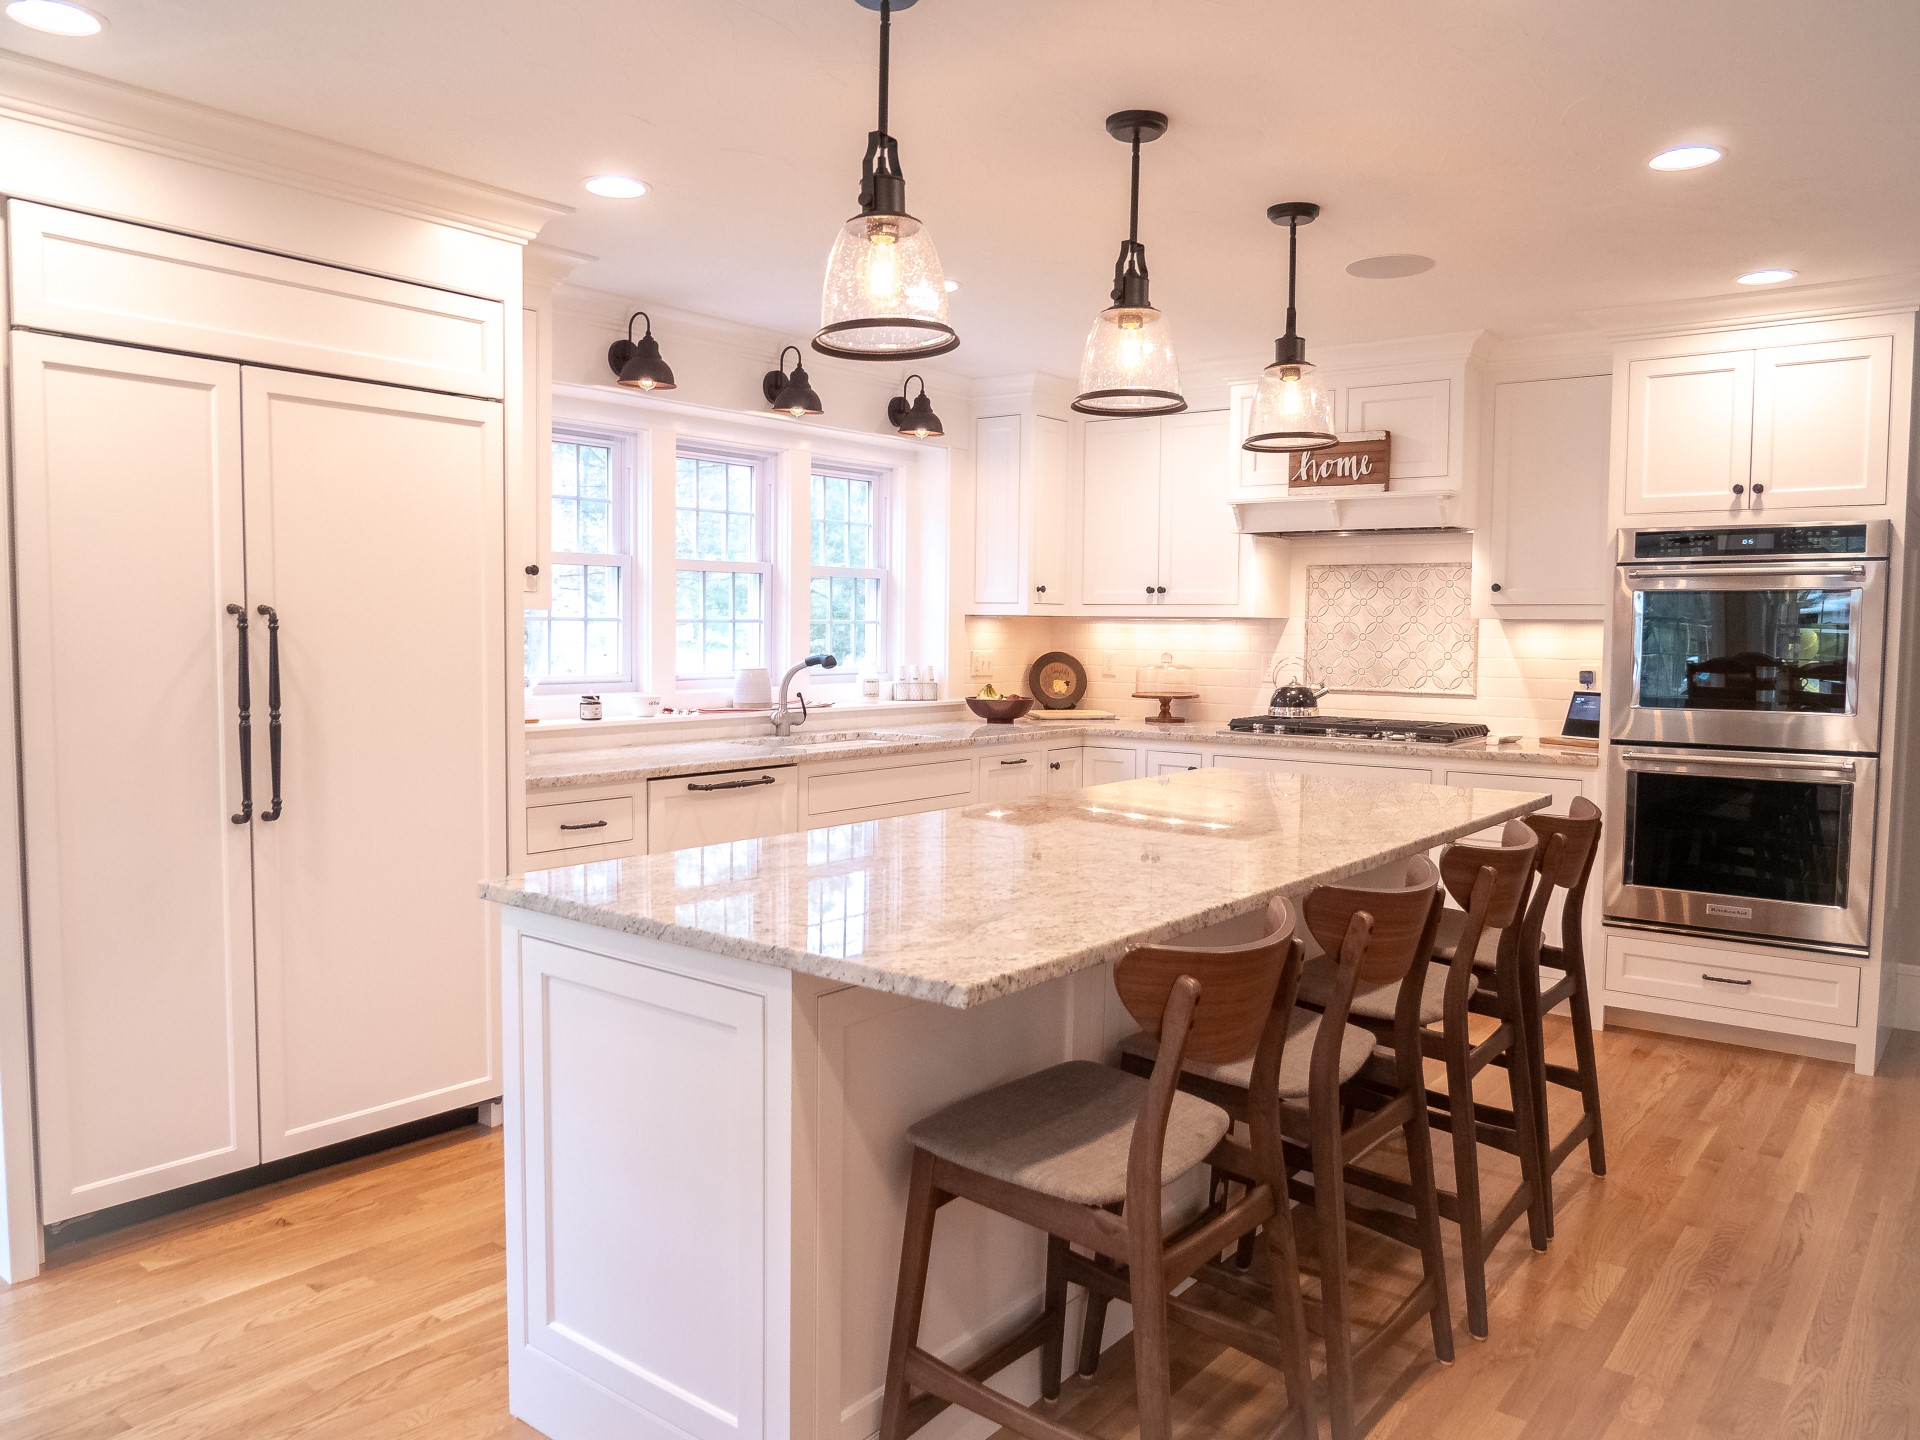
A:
(1511, 861)
(1403, 921)
(1237, 986)
(1581, 828)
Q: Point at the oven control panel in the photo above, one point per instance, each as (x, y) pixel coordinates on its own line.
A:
(1773, 542)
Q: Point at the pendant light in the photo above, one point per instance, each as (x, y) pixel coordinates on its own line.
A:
(1128, 367)
(790, 392)
(916, 420)
(637, 363)
(885, 297)
(1292, 409)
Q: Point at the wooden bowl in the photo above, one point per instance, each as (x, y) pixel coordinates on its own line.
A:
(1004, 711)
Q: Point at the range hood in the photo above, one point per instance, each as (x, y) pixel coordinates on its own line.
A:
(1374, 512)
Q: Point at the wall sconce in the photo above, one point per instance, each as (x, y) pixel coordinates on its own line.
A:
(916, 420)
(637, 363)
(790, 392)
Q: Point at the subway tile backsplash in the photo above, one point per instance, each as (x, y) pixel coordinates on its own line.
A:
(1526, 669)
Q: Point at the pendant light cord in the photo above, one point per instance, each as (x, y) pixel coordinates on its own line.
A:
(1293, 268)
(1133, 208)
(886, 38)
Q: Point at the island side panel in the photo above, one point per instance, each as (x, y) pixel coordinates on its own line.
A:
(649, 1176)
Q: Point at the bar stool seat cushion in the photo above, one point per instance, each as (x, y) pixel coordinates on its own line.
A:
(1447, 940)
(1303, 1030)
(1316, 988)
(1066, 1132)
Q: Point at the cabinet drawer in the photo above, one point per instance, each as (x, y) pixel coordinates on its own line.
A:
(888, 785)
(82, 275)
(1786, 987)
(607, 821)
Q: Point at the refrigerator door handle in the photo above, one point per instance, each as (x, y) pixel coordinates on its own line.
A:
(244, 692)
(272, 812)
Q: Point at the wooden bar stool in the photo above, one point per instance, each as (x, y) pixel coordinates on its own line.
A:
(1550, 975)
(1491, 883)
(1380, 937)
(1084, 1153)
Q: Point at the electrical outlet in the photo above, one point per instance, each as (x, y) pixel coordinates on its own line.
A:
(1106, 663)
(980, 663)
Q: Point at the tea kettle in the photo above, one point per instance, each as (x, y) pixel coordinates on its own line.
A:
(1296, 698)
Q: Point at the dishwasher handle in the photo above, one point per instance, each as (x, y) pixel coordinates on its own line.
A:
(732, 784)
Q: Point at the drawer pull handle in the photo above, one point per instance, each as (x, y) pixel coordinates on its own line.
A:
(1016, 762)
(586, 825)
(1723, 980)
(732, 784)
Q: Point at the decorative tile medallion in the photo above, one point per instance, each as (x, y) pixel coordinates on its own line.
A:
(1395, 629)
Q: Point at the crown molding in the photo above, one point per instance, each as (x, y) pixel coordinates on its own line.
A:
(55, 97)
(1836, 300)
(546, 267)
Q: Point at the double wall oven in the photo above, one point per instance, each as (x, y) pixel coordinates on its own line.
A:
(1745, 683)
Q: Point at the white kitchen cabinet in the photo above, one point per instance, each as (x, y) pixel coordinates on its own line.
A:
(1689, 432)
(139, 896)
(1020, 545)
(685, 811)
(1107, 764)
(1009, 777)
(1419, 416)
(850, 790)
(1171, 762)
(1748, 985)
(565, 827)
(1822, 416)
(1063, 769)
(322, 458)
(1274, 763)
(1547, 506)
(1157, 533)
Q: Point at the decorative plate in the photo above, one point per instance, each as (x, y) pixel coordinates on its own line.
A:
(1057, 680)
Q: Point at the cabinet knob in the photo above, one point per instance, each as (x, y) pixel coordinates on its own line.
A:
(1739, 489)
(1053, 765)
(1496, 587)
(1159, 589)
(1039, 589)
(1758, 488)
(1149, 589)
(533, 569)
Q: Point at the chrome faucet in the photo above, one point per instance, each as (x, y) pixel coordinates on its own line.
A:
(783, 717)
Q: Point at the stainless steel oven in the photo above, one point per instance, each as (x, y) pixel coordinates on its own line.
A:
(1768, 845)
(1771, 637)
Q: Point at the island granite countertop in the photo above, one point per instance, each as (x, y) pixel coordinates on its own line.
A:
(560, 769)
(959, 907)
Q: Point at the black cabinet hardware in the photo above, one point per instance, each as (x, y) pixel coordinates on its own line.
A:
(1159, 589)
(1758, 488)
(1496, 587)
(244, 692)
(732, 784)
(586, 825)
(272, 812)
(1053, 765)
(1039, 589)
(533, 569)
(1149, 589)
(1013, 762)
(1739, 489)
(1723, 980)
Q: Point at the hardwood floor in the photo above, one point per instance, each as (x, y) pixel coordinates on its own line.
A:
(1749, 1268)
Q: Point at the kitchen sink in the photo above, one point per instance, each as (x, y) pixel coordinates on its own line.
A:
(833, 737)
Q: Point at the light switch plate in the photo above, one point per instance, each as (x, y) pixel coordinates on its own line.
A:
(979, 663)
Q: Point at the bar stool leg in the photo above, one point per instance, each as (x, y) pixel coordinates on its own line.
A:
(1584, 1056)
(1419, 1139)
(1330, 1224)
(1289, 1312)
(1152, 1358)
(1466, 1179)
(1093, 1331)
(1528, 1121)
(916, 1255)
(1053, 1350)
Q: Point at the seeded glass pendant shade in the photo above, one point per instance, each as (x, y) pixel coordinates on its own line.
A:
(885, 296)
(1292, 408)
(1128, 367)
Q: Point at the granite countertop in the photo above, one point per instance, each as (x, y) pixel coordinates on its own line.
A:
(620, 764)
(961, 906)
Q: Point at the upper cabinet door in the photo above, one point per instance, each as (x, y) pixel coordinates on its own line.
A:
(1199, 541)
(1120, 521)
(997, 578)
(1048, 584)
(1689, 433)
(81, 275)
(1419, 415)
(127, 504)
(1549, 500)
(1821, 421)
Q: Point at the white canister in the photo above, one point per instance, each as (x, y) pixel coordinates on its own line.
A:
(870, 688)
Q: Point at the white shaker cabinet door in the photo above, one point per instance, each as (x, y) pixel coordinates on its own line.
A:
(1109, 764)
(1063, 769)
(1822, 420)
(1120, 514)
(128, 513)
(374, 530)
(1549, 500)
(1199, 539)
(1689, 442)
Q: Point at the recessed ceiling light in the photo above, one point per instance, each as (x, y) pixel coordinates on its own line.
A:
(1390, 267)
(55, 17)
(617, 187)
(952, 285)
(1765, 277)
(1686, 157)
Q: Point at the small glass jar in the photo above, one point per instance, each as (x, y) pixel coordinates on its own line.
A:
(590, 708)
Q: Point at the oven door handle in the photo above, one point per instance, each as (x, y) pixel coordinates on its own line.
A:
(1842, 772)
(1795, 570)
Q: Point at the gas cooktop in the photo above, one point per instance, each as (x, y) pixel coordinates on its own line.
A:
(1360, 727)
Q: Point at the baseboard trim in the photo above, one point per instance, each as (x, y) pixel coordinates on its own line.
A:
(1686, 1028)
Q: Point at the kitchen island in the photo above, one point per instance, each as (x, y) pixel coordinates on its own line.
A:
(713, 1055)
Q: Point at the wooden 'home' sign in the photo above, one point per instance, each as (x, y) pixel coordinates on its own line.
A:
(1358, 463)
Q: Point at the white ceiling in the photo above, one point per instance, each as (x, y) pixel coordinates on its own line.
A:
(1505, 138)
